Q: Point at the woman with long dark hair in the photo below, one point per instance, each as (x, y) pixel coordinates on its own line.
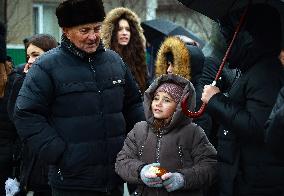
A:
(122, 32)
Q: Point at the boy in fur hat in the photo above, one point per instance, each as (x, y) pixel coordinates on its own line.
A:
(167, 139)
(68, 99)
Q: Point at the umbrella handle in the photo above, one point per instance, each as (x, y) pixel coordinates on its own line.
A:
(189, 113)
(193, 114)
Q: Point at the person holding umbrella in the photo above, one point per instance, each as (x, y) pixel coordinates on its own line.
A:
(122, 32)
(245, 165)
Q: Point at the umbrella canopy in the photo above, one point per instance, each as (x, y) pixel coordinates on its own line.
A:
(156, 30)
(217, 9)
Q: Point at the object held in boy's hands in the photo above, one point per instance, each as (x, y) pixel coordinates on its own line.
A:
(159, 171)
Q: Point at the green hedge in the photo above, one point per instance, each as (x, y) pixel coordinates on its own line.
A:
(18, 55)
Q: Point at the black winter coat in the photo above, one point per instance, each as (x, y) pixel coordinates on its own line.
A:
(244, 162)
(245, 165)
(71, 110)
(275, 127)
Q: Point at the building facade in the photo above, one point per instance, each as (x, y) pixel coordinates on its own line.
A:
(29, 17)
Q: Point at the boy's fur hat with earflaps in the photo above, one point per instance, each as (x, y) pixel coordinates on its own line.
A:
(112, 17)
(78, 12)
(181, 58)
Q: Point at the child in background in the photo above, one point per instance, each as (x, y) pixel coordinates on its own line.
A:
(167, 139)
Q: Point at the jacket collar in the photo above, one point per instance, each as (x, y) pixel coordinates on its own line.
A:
(68, 45)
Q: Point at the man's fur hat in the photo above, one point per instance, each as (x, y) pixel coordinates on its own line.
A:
(77, 12)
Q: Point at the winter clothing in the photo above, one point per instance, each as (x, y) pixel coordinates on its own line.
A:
(133, 54)
(150, 182)
(245, 165)
(179, 146)
(8, 134)
(63, 112)
(188, 59)
(87, 11)
(228, 76)
(174, 182)
(275, 127)
(175, 91)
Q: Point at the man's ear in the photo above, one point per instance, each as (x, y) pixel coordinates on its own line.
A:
(66, 31)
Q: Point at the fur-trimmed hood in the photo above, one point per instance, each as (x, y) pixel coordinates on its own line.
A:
(111, 18)
(188, 59)
(179, 117)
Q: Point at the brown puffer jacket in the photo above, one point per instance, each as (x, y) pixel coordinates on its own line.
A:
(181, 146)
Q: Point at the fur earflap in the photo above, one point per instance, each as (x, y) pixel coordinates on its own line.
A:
(181, 58)
(77, 12)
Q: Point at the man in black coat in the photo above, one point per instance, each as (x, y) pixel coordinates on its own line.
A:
(245, 165)
(74, 104)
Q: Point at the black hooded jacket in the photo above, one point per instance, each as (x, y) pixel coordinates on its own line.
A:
(245, 165)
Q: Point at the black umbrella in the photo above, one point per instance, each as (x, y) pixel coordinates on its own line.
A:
(216, 9)
(156, 30)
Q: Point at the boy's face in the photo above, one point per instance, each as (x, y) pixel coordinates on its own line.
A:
(163, 106)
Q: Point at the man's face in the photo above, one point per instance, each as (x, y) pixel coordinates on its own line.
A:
(86, 37)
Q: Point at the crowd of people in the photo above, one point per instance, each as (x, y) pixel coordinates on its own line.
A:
(83, 116)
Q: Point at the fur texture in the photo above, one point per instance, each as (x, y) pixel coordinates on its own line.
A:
(181, 58)
(74, 12)
(112, 17)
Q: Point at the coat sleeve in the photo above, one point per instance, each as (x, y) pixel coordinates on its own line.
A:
(32, 115)
(204, 170)
(275, 127)
(133, 109)
(128, 165)
(246, 118)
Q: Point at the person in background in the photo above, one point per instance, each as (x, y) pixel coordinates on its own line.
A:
(33, 178)
(176, 56)
(122, 32)
(167, 139)
(245, 166)
(75, 103)
(8, 133)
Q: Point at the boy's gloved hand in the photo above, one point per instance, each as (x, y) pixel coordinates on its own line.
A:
(173, 181)
(150, 178)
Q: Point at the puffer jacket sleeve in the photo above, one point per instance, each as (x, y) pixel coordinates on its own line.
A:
(275, 127)
(246, 119)
(31, 115)
(133, 109)
(204, 170)
(127, 164)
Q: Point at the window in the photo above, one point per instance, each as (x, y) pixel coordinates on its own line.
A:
(45, 21)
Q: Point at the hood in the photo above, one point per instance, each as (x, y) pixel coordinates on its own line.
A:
(110, 20)
(260, 35)
(179, 118)
(188, 59)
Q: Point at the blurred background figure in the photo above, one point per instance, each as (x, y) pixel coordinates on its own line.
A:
(33, 177)
(8, 134)
(179, 55)
(122, 32)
